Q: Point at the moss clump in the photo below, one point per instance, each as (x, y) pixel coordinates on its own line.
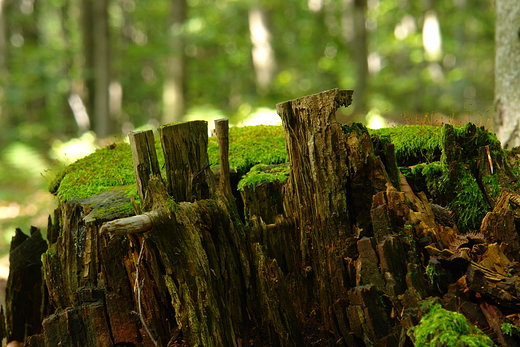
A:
(414, 143)
(102, 170)
(357, 127)
(262, 173)
(440, 327)
(430, 178)
(470, 138)
(251, 145)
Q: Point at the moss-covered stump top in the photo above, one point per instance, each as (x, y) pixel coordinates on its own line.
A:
(422, 152)
(110, 168)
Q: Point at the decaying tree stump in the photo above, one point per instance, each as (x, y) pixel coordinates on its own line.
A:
(347, 251)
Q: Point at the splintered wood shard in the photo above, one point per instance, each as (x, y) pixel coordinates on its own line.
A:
(187, 165)
(144, 159)
(131, 225)
(222, 131)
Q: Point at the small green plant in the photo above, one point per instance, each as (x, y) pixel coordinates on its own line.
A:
(440, 327)
(431, 273)
(510, 329)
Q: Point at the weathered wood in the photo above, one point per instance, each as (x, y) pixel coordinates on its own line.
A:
(130, 225)
(316, 198)
(222, 132)
(144, 158)
(264, 199)
(186, 158)
(25, 297)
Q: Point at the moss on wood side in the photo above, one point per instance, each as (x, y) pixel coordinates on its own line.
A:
(262, 173)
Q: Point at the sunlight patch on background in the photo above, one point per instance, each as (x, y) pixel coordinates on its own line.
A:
(432, 40)
(374, 62)
(207, 113)
(74, 149)
(374, 120)
(315, 5)
(12, 210)
(80, 112)
(405, 27)
(262, 115)
(24, 159)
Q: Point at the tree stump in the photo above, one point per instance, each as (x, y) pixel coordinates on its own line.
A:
(347, 244)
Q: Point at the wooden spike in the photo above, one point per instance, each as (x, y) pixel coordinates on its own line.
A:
(186, 158)
(222, 131)
(144, 159)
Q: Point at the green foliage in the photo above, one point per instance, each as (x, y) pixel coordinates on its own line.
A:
(440, 327)
(262, 173)
(313, 48)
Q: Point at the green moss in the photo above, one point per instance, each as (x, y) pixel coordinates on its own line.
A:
(104, 169)
(357, 127)
(429, 178)
(111, 166)
(510, 329)
(440, 327)
(413, 143)
(469, 204)
(262, 173)
(493, 182)
(251, 145)
(472, 137)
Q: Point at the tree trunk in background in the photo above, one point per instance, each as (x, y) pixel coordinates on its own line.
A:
(3, 64)
(507, 72)
(355, 34)
(174, 91)
(97, 72)
(262, 52)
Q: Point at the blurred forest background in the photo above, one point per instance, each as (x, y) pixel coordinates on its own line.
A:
(75, 72)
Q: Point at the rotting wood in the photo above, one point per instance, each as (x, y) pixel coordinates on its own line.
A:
(222, 132)
(25, 299)
(144, 160)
